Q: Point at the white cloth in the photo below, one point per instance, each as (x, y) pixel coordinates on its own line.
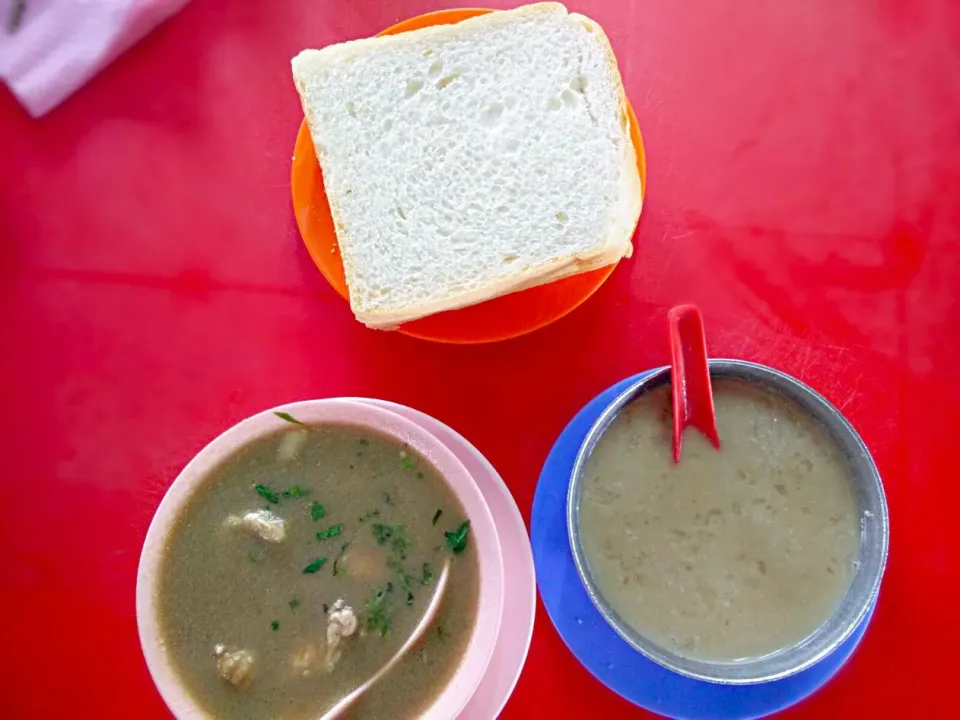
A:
(60, 44)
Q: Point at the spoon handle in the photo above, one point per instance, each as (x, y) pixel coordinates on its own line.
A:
(690, 377)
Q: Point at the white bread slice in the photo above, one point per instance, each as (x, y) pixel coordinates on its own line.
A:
(463, 162)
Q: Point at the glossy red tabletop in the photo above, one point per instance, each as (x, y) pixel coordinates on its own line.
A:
(804, 191)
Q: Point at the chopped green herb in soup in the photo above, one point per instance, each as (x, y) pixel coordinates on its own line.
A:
(301, 567)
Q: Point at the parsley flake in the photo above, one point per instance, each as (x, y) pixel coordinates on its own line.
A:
(377, 617)
(402, 575)
(330, 532)
(288, 417)
(392, 534)
(436, 515)
(266, 493)
(457, 540)
(314, 566)
(317, 511)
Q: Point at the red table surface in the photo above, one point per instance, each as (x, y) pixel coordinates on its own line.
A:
(804, 190)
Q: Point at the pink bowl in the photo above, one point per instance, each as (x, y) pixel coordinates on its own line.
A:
(465, 680)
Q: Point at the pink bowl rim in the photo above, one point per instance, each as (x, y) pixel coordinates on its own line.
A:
(464, 682)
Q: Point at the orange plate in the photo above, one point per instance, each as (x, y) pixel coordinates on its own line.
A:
(502, 318)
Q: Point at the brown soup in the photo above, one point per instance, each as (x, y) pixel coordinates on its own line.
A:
(303, 564)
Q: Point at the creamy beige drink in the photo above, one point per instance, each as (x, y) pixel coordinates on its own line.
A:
(728, 555)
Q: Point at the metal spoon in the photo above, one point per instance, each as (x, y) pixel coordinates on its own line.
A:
(346, 701)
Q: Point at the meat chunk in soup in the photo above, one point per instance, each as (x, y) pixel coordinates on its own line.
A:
(236, 667)
(291, 444)
(260, 523)
(341, 623)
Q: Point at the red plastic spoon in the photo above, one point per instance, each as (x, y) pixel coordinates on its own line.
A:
(690, 377)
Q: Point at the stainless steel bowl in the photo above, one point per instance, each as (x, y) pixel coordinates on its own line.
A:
(868, 566)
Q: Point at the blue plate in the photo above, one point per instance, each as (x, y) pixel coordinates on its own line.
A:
(598, 647)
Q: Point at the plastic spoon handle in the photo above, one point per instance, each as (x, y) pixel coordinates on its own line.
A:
(690, 377)
(344, 703)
